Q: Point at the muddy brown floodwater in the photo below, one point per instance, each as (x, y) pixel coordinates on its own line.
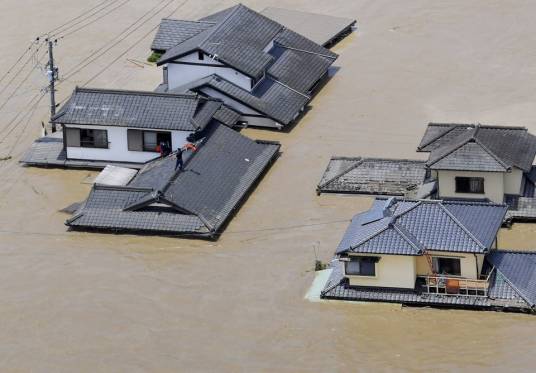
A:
(95, 302)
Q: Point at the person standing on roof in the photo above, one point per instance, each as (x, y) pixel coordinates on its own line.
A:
(180, 163)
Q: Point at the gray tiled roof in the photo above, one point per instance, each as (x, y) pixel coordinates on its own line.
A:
(394, 177)
(271, 98)
(134, 109)
(173, 31)
(227, 116)
(478, 147)
(240, 39)
(519, 270)
(500, 294)
(214, 181)
(520, 208)
(409, 227)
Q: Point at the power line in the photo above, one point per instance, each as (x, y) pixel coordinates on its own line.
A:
(19, 85)
(76, 18)
(91, 22)
(95, 55)
(132, 46)
(28, 60)
(32, 112)
(14, 120)
(18, 60)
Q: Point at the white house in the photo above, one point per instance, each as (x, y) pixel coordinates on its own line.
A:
(256, 66)
(129, 126)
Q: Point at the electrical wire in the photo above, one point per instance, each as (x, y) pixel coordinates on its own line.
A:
(28, 60)
(18, 87)
(59, 36)
(132, 46)
(18, 60)
(76, 18)
(32, 111)
(14, 119)
(105, 48)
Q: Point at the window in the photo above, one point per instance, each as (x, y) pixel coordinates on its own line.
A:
(470, 185)
(362, 266)
(87, 138)
(200, 55)
(447, 266)
(147, 141)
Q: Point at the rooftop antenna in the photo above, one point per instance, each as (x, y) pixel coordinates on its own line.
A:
(52, 74)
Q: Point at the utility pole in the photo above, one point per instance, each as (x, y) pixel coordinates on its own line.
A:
(52, 74)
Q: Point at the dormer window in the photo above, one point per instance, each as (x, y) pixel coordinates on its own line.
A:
(200, 55)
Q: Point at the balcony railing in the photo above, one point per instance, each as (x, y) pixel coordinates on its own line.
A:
(450, 285)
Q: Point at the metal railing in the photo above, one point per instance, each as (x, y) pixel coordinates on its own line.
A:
(449, 285)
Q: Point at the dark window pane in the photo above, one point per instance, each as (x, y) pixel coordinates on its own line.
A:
(361, 266)
(469, 185)
(447, 266)
(90, 138)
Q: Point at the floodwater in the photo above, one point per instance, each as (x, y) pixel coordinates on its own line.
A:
(97, 302)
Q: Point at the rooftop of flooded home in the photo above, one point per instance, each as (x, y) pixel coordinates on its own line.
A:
(74, 301)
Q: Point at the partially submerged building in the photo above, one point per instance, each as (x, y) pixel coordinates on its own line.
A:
(430, 252)
(197, 200)
(103, 126)
(479, 162)
(258, 67)
(466, 162)
(382, 176)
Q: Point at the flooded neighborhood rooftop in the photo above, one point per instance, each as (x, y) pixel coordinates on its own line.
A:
(78, 301)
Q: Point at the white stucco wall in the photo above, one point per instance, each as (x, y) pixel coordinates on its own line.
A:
(181, 74)
(118, 146)
(493, 185)
(470, 266)
(395, 271)
(512, 181)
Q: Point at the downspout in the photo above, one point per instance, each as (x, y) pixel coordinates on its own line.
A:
(165, 75)
(476, 265)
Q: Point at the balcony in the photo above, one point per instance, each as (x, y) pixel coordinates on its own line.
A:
(454, 286)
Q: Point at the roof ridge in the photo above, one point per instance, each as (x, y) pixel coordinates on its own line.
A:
(492, 154)
(187, 20)
(463, 227)
(449, 152)
(303, 50)
(516, 289)
(286, 86)
(409, 237)
(220, 24)
(358, 163)
(434, 139)
(139, 93)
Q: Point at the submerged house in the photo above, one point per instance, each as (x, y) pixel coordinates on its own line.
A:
(430, 252)
(261, 69)
(101, 126)
(197, 200)
(479, 162)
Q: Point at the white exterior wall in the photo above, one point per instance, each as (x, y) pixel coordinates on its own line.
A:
(394, 271)
(493, 185)
(181, 74)
(118, 146)
(512, 181)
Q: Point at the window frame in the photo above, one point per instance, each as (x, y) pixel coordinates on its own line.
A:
(468, 179)
(373, 259)
(145, 149)
(93, 146)
(436, 265)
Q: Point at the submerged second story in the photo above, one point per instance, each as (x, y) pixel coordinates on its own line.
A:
(130, 126)
(398, 243)
(480, 162)
(257, 66)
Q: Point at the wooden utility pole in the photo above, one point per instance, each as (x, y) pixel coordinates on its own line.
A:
(52, 74)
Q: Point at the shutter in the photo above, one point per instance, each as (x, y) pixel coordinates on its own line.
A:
(72, 137)
(135, 140)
